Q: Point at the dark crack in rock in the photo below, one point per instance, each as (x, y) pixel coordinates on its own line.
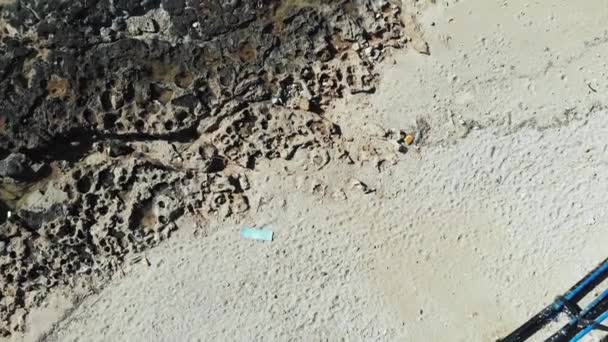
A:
(118, 117)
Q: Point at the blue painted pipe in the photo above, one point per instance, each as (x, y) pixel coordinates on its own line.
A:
(578, 291)
(591, 278)
(590, 327)
(590, 306)
(588, 312)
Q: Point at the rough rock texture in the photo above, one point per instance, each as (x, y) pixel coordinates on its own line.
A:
(76, 73)
(89, 89)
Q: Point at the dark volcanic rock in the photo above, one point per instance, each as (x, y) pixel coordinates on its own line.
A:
(15, 166)
(117, 148)
(19, 167)
(146, 108)
(87, 75)
(3, 214)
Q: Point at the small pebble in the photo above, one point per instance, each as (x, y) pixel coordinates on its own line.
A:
(409, 139)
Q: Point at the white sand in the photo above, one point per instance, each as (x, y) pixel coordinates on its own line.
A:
(460, 242)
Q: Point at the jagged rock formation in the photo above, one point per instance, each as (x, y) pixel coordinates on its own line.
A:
(86, 87)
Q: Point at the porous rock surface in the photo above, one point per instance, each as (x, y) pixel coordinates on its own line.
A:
(140, 112)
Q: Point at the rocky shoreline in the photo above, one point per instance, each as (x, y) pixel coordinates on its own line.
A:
(118, 117)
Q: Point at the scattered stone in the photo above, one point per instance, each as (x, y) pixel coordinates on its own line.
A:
(138, 25)
(19, 167)
(117, 148)
(319, 159)
(319, 188)
(14, 166)
(362, 186)
(304, 104)
(372, 52)
(409, 139)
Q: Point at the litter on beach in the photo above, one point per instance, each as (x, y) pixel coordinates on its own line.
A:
(257, 234)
